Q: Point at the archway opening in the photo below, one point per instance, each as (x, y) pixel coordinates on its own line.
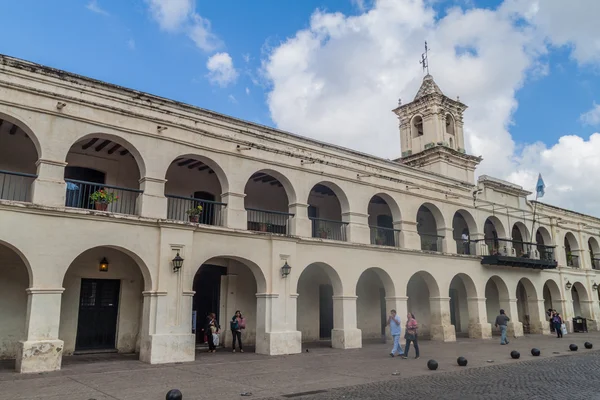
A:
(594, 249)
(420, 288)
(459, 305)
(417, 127)
(543, 242)
(381, 223)
(497, 297)
(224, 285)
(18, 158)
(267, 203)
(449, 125)
(579, 296)
(551, 293)
(103, 175)
(429, 223)
(527, 309)
(101, 310)
(193, 191)
(317, 286)
(371, 303)
(520, 240)
(571, 246)
(14, 280)
(461, 232)
(493, 234)
(325, 212)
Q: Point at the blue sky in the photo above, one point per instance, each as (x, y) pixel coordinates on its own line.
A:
(124, 43)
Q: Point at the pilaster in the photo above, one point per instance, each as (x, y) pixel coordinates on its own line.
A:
(300, 224)
(235, 213)
(479, 327)
(49, 189)
(345, 334)
(540, 324)
(514, 327)
(441, 327)
(152, 203)
(448, 242)
(408, 233)
(274, 336)
(357, 230)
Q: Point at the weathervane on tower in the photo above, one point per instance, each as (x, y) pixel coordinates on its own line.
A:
(424, 61)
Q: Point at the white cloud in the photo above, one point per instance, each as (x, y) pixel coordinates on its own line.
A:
(131, 44)
(179, 16)
(232, 99)
(246, 57)
(94, 7)
(592, 117)
(338, 79)
(248, 91)
(221, 70)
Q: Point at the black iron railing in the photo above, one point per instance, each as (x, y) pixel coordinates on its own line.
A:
(572, 261)
(385, 236)
(466, 246)
(268, 221)
(546, 253)
(179, 209)
(328, 229)
(596, 263)
(79, 193)
(515, 248)
(431, 242)
(15, 186)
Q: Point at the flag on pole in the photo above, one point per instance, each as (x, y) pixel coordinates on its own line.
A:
(540, 187)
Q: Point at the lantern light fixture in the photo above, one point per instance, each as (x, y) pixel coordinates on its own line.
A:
(285, 270)
(595, 286)
(177, 263)
(103, 267)
(568, 285)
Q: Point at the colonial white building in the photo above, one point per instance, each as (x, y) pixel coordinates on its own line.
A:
(360, 234)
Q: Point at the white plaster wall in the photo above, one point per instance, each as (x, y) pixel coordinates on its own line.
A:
(245, 301)
(121, 267)
(368, 305)
(13, 301)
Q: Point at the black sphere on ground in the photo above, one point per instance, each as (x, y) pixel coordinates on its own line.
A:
(461, 361)
(535, 352)
(515, 354)
(573, 347)
(432, 365)
(588, 345)
(174, 394)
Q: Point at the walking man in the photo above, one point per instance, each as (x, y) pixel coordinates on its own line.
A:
(502, 321)
(394, 323)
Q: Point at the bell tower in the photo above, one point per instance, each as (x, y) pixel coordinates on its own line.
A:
(431, 132)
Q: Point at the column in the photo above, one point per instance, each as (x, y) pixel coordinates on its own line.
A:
(276, 332)
(49, 189)
(357, 230)
(41, 351)
(345, 334)
(441, 327)
(235, 212)
(514, 327)
(152, 203)
(478, 244)
(538, 322)
(300, 224)
(400, 304)
(448, 242)
(479, 327)
(410, 238)
(228, 304)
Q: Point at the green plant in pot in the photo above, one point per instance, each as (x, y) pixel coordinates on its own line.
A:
(194, 214)
(380, 240)
(324, 233)
(101, 199)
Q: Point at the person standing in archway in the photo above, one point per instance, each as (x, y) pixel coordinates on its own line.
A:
(395, 329)
(557, 321)
(237, 324)
(502, 322)
(212, 330)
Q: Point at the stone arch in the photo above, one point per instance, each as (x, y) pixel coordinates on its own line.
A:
(543, 237)
(497, 297)
(104, 309)
(331, 273)
(494, 232)
(522, 231)
(461, 289)
(18, 121)
(552, 297)
(257, 272)
(288, 187)
(571, 245)
(383, 212)
(416, 126)
(571, 241)
(431, 227)
(463, 227)
(580, 298)
(339, 194)
(420, 289)
(373, 287)
(527, 305)
(594, 249)
(23, 259)
(391, 203)
(450, 124)
(202, 163)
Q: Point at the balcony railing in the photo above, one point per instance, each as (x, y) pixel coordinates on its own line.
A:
(572, 261)
(178, 207)
(519, 254)
(546, 253)
(327, 229)
(79, 192)
(431, 242)
(385, 236)
(15, 186)
(596, 263)
(466, 247)
(268, 221)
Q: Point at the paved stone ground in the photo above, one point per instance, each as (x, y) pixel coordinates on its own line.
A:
(367, 373)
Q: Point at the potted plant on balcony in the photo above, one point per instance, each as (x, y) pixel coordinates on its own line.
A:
(324, 233)
(101, 199)
(194, 214)
(380, 240)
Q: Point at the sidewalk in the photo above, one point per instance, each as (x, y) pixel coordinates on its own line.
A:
(227, 375)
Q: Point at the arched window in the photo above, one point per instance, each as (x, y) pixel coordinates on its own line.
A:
(449, 124)
(417, 126)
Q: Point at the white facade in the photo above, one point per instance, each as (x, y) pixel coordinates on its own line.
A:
(362, 235)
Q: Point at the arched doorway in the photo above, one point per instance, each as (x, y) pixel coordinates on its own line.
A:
(463, 225)
(552, 300)
(192, 182)
(268, 198)
(497, 297)
(580, 298)
(101, 307)
(527, 307)
(103, 174)
(381, 221)
(18, 158)
(571, 250)
(420, 289)
(223, 285)
(430, 227)
(14, 280)
(326, 204)
(317, 285)
(462, 288)
(594, 249)
(372, 288)
(495, 236)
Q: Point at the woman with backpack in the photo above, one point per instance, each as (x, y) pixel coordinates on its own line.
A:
(237, 324)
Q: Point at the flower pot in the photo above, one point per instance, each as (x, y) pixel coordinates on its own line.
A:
(380, 242)
(323, 235)
(101, 206)
(194, 218)
(263, 227)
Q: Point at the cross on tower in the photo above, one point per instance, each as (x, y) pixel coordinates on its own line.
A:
(424, 61)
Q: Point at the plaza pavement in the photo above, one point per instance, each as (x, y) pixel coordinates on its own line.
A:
(226, 375)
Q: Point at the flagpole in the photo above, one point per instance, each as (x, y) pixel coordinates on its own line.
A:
(533, 236)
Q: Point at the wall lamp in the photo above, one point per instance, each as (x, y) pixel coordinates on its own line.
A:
(103, 267)
(285, 270)
(595, 286)
(568, 285)
(60, 105)
(177, 263)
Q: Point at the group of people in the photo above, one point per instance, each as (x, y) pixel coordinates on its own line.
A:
(556, 322)
(212, 329)
(410, 334)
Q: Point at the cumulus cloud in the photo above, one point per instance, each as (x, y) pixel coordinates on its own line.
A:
(338, 79)
(178, 16)
(221, 70)
(592, 117)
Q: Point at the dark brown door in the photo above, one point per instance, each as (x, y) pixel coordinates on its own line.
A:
(207, 285)
(325, 311)
(98, 310)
